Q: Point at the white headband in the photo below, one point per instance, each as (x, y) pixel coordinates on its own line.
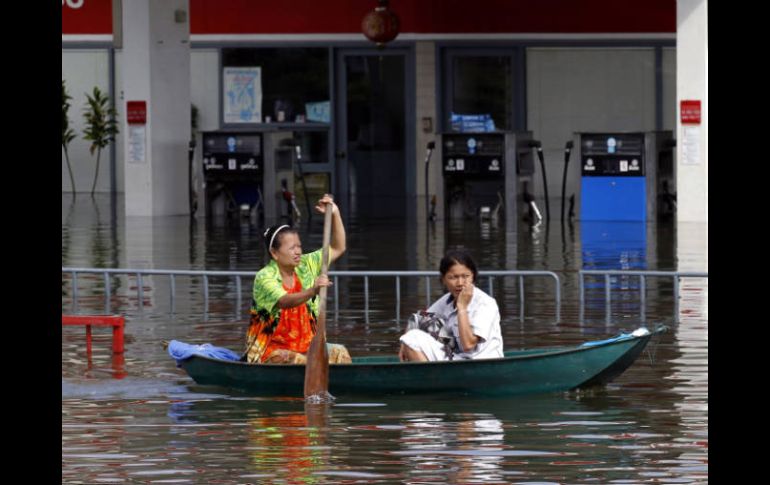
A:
(270, 246)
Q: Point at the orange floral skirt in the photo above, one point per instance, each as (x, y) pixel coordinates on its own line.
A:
(287, 339)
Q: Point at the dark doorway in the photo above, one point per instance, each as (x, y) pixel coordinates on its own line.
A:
(372, 137)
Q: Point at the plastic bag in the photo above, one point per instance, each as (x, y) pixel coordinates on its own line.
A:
(435, 326)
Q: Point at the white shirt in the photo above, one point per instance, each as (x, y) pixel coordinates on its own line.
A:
(484, 318)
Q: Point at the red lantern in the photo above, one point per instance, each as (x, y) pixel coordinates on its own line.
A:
(380, 25)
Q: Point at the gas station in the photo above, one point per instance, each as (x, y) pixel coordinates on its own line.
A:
(334, 111)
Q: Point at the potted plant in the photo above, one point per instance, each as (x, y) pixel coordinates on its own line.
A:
(101, 126)
(67, 133)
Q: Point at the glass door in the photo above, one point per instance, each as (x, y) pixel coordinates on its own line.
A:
(372, 133)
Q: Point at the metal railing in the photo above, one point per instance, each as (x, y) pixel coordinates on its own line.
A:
(433, 275)
(336, 275)
(643, 275)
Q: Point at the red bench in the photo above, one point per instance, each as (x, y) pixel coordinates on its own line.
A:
(116, 322)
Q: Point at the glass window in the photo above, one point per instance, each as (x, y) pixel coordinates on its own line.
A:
(483, 85)
(375, 102)
(295, 81)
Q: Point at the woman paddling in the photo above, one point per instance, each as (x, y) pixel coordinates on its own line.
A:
(284, 305)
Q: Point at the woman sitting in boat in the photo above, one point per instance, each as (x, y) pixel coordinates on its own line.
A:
(284, 305)
(471, 316)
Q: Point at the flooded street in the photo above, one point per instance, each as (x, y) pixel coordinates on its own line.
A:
(140, 419)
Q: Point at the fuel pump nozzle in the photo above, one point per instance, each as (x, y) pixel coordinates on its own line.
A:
(430, 211)
(539, 146)
(567, 150)
(529, 199)
(298, 150)
(290, 199)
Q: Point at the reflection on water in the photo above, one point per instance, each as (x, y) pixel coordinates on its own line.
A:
(611, 435)
(154, 425)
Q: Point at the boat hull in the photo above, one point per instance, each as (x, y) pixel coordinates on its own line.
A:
(522, 372)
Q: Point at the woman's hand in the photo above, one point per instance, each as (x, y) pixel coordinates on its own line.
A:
(321, 205)
(338, 244)
(321, 282)
(465, 332)
(465, 296)
(291, 300)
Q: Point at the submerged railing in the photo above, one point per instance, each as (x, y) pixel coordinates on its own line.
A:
(607, 275)
(428, 276)
(486, 279)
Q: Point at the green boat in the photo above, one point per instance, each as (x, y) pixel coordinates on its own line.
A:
(518, 372)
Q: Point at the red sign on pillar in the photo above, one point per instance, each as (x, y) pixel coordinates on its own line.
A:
(690, 111)
(136, 111)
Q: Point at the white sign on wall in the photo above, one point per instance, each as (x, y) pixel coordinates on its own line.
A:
(242, 94)
(691, 145)
(137, 144)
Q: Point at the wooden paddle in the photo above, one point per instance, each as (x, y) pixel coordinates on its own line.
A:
(317, 366)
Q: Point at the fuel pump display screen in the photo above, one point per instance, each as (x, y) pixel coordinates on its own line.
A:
(470, 154)
(233, 143)
(617, 155)
(232, 156)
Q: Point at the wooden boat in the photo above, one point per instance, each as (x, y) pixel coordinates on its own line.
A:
(518, 372)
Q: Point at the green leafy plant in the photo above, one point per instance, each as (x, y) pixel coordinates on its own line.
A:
(67, 133)
(101, 126)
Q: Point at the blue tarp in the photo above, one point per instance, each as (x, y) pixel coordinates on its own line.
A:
(181, 351)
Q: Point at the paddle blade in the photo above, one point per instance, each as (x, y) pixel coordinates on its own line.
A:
(317, 366)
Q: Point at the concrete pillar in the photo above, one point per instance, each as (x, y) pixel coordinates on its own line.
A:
(156, 70)
(692, 85)
(427, 126)
(429, 238)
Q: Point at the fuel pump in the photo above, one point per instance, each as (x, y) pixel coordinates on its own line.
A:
(250, 171)
(233, 168)
(280, 160)
(626, 176)
(482, 174)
